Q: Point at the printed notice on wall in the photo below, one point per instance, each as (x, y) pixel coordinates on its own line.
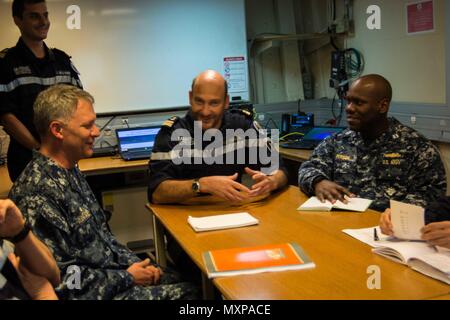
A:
(235, 72)
(420, 17)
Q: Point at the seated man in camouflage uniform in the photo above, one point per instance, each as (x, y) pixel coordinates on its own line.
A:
(63, 212)
(377, 157)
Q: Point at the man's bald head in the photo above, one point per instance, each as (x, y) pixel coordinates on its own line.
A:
(368, 104)
(210, 77)
(377, 85)
(209, 99)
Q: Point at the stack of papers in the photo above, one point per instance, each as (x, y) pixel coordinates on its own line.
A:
(224, 221)
(418, 255)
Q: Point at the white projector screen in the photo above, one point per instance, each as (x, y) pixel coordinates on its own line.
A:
(140, 55)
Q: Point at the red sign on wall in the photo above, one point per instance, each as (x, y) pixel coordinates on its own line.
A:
(420, 17)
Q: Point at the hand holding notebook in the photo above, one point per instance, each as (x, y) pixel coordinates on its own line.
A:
(407, 220)
(354, 204)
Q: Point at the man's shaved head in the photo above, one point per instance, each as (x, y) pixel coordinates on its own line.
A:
(379, 87)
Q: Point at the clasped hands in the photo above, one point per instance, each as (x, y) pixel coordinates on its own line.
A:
(227, 188)
(145, 274)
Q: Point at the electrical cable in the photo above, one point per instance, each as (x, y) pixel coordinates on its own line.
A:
(108, 122)
(332, 107)
(354, 62)
(291, 134)
(332, 42)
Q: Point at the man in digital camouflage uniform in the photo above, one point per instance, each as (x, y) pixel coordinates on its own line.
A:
(376, 157)
(62, 210)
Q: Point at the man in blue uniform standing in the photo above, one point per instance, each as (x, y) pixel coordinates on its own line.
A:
(26, 70)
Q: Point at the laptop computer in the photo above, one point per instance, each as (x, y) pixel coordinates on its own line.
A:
(312, 139)
(136, 143)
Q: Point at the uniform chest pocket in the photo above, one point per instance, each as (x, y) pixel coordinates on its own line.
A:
(83, 227)
(394, 166)
(344, 164)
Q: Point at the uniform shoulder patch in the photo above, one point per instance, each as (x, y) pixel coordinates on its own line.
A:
(170, 122)
(247, 113)
(67, 57)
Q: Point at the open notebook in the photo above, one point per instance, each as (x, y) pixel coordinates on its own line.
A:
(418, 255)
(354, 204)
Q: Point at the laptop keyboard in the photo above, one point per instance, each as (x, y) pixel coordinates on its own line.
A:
(309, 145)
(136, 155)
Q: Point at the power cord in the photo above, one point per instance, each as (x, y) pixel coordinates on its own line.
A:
(125, 121)
(291, 134)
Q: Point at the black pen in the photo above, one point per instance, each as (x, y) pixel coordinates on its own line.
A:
(375, 235)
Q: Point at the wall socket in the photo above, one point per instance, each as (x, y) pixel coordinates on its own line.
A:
(107, 131)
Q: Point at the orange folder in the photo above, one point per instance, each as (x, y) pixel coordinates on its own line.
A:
(266, 258)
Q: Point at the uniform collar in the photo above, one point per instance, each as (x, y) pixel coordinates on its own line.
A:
(29, 55)
(388, 135)
(390, 132)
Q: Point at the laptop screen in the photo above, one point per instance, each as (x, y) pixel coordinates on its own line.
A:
(320, 133)
(137, 139)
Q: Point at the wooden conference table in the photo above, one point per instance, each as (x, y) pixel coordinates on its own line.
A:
(91, 166)
(107, 165)
(341, 261)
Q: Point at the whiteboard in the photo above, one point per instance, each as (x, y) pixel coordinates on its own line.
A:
(139, 55)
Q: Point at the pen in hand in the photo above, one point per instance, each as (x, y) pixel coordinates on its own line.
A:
(375, 235)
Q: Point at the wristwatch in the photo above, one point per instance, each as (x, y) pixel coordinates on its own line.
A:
(21, 235)
(196, 186)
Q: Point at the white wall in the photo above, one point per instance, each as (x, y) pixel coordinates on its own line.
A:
(143, 54)
(414, 64)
